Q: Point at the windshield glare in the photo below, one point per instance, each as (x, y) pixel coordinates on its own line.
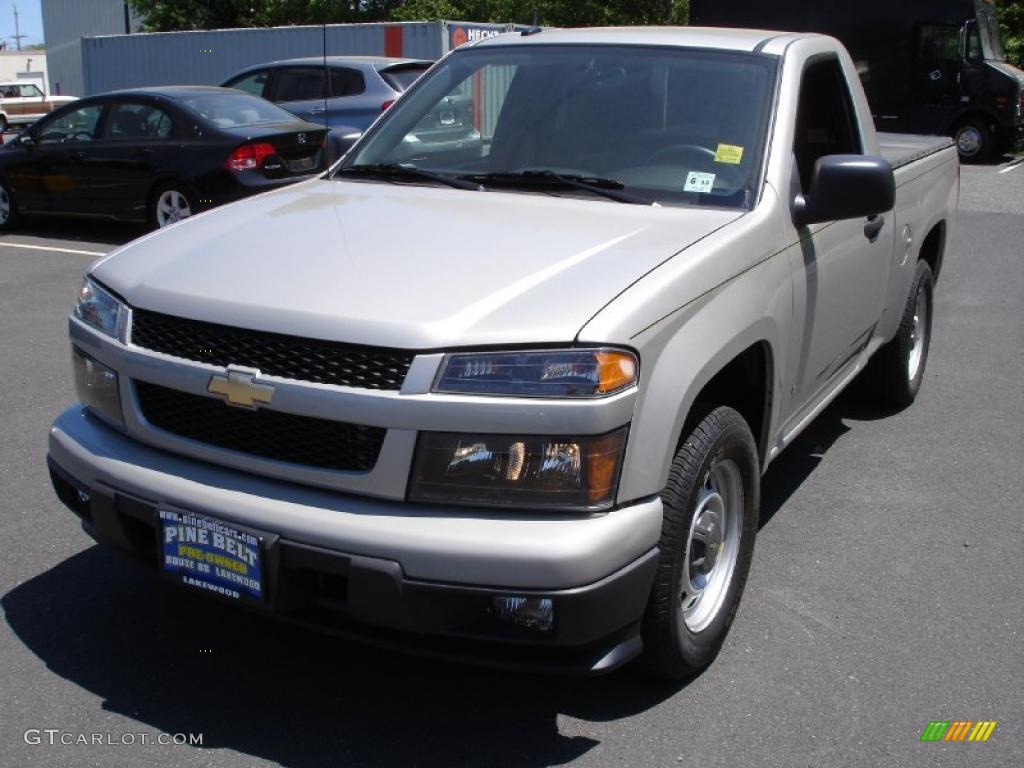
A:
(231, 110)
(674, 125)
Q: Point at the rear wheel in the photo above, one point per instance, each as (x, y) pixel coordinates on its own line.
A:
(974, 140)
(707, 542)
(8, 208)
(897, 369)
(170, 204)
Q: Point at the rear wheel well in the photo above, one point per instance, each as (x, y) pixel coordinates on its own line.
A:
(933, 247)
(743, 384)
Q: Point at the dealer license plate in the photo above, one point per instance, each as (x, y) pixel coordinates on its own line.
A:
(204, 553)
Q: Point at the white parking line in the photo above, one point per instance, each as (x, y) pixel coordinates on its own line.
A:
(1014, 165)
(51, 248)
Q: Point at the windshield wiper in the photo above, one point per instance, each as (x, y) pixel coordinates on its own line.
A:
(609, 188)
(398, 171)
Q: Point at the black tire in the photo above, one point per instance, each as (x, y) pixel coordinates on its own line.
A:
(890, 370)
(974, 140)
(157, 220)
(8, 208)
(672, 647)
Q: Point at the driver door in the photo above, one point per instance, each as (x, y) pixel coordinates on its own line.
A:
(52, 175)
(840, 268)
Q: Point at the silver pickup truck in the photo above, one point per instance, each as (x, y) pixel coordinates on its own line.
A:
(512, 402)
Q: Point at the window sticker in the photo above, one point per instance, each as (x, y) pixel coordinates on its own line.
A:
(699, 182)
(729, 153)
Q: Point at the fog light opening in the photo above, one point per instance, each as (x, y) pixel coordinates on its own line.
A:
(536, 613)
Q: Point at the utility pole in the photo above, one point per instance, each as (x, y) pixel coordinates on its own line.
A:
(17, 30)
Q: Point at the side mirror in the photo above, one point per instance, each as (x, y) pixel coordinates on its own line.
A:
(25, 140)
(846, 187)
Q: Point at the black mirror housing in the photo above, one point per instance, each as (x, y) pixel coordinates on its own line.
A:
(846, 187)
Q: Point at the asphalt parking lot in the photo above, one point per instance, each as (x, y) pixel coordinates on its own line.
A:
(885, 592)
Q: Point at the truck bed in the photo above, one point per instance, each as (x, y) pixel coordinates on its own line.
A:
(904, 148)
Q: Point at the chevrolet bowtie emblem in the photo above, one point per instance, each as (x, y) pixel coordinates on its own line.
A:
(240, 389)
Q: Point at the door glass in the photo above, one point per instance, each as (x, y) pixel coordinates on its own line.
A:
(300, 84)
(30, 92)
(138, 121)
(253, 83)
(346, 82)
(825, 123)
(76, 125)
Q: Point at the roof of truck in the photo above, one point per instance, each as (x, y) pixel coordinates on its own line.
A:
(690, 37)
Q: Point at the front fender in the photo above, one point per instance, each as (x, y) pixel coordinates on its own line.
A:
(687, 351)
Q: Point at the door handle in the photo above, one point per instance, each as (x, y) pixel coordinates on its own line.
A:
(144, 152)
(76, 156)
(872, 227)
(317, 110)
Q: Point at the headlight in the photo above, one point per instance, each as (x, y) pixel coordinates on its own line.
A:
(96, 386)
(553, 373)
(99, 309)
(558, 473)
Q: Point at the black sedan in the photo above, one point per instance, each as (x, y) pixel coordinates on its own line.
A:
(155, 154)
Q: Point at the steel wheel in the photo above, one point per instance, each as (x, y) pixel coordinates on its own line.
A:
(712, 546)
(969, 140)
(172, 206)
(918, 334)
(709, 523)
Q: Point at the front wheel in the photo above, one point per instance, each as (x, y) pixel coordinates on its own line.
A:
(974, 140)
(709, 523)
(170, 204)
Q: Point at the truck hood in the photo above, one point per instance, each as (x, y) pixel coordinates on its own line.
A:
(403, 266)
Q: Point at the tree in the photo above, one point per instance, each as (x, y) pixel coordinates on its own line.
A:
(559, 13)
(169, 15)
(1011, 19)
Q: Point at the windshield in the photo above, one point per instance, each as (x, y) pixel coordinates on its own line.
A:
(231, 110)
(401, 77)
(672, 125)
(991, 41)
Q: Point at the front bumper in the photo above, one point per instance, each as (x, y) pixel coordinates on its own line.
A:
(421, 578)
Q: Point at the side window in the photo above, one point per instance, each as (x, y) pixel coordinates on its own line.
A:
(76, 125)
(129, 120)
(254, 82)
(30, 92)
(346, 82)
(300, 84)
(938, 44)
(825, 121)
(10, 92)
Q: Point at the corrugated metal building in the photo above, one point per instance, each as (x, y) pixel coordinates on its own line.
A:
(65, 23)
(108, 62)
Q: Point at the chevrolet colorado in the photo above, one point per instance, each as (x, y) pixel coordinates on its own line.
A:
(512, 402)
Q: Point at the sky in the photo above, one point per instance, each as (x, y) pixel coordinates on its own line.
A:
(30, 20)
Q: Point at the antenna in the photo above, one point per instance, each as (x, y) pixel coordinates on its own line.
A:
(17, 36)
